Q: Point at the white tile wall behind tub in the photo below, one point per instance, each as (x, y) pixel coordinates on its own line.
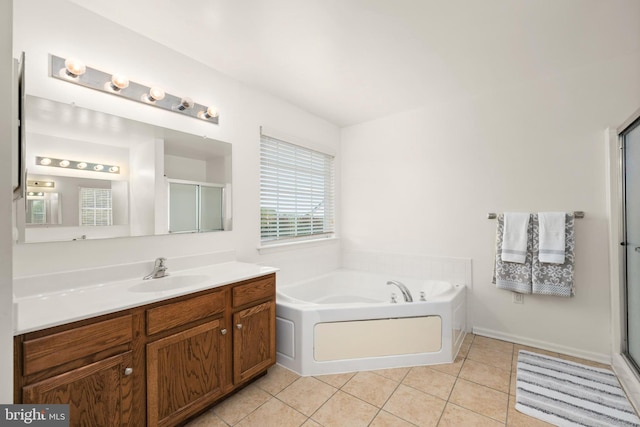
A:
(454, 270)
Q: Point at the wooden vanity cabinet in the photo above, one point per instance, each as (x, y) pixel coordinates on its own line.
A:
(155, 365)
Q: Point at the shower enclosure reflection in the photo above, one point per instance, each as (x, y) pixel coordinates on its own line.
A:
(195, 207)
(101, 176)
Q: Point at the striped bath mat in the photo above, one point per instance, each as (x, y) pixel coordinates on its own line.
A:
(570, 394)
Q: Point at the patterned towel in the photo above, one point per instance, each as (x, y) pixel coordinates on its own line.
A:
(554, 279)
(510, 275)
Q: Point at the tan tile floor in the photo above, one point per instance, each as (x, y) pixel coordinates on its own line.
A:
(478, 389)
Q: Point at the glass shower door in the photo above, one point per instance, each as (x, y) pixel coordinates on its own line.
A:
(183, 208)
(631, 145)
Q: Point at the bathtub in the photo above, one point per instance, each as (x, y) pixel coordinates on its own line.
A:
(345, 321)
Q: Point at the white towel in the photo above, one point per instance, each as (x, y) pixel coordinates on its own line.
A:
(511, 275)
(514, 244)
(552, 229)
(554, 279)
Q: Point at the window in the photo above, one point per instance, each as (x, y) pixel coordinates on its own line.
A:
(95, 206)
(296, 191)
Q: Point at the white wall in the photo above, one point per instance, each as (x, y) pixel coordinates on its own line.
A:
(433, 176)
(6, 125)
(216, 170)
(104, 45)
(142, 182)
(185, 168)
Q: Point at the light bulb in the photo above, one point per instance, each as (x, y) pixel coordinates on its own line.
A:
(98, 167)
(64, 163)
(31, 193)
(119, 82)
(48, 184)
(45, 162)
(114, 169)
(211, 112)
(155, 94)
(82, 165)
(40, 194)
(185, 103)
(74, 67)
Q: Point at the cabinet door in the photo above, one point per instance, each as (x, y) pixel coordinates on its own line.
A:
(98, 394)
(185, 373)
(254, 340)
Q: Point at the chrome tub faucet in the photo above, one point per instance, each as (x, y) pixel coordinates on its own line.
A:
(405, 291)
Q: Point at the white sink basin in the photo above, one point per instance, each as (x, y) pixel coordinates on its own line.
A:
(168, 283)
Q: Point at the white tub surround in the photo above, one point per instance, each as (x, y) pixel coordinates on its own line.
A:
(87, 296)
(345, 321)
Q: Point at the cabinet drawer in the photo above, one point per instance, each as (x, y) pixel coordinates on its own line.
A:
(57, 349)
(180, 313)
(254, 291)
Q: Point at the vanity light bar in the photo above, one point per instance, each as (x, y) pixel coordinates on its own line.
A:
(46, 184)
(74, 71)
(74, 164)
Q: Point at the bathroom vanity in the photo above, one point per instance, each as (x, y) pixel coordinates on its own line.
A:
(156, 363)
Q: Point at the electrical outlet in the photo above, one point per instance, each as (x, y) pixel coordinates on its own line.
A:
(517, 298)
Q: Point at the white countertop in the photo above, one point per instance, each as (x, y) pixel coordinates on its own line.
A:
(32, 313)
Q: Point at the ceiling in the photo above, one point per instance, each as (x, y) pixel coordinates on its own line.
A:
(350, 61)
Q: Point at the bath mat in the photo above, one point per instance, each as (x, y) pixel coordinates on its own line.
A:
(570, 394)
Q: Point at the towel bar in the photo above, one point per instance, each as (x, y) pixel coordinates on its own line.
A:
(577, 214)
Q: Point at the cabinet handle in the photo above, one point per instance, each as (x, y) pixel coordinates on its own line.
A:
(223, 331)
(239, 326)
(128, 371)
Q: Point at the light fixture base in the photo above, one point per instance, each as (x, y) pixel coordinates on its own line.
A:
(101, 81)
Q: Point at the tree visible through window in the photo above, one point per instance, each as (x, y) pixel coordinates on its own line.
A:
(296, 191)
(95, 206)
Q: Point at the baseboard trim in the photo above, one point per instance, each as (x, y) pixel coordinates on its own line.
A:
(545, 345)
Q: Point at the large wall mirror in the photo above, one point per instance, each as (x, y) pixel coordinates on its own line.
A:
(92, 175)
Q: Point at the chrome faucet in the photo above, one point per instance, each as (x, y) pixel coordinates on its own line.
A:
(159, 270)
(405, 292)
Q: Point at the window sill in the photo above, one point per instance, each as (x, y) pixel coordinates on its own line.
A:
(280, 247)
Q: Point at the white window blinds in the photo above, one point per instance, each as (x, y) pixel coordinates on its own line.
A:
(296, 191)
(95, 206)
